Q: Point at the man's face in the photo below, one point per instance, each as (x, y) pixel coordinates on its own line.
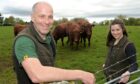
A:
(42, 18)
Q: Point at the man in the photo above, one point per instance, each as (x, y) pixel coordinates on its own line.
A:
(34, 52)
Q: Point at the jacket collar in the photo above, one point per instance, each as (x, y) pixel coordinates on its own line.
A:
(120, 43)
(35, 33)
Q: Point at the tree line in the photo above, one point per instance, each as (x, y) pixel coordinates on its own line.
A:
(127, 20)
(11, 20)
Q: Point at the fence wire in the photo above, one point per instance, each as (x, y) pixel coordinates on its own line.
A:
(100, 81)
(111, 81)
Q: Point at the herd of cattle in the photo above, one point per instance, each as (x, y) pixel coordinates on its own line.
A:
(77, 31)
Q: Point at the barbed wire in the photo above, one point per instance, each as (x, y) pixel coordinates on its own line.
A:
(115, 64)
(115, 73)
(109, 82)
(137, 79)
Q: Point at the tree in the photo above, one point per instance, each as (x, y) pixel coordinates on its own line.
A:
(6, 22)
(9, 21)
(76, 19)
(18, 20)
(138, 21)
(122, 17)
(105, 22)
(1, 19)
(131, 21)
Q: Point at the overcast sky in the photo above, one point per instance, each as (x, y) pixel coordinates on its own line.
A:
(95, 10)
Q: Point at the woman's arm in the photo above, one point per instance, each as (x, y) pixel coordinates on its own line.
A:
(131, 53)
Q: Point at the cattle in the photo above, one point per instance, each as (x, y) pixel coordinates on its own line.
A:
(86, 30)
(70, 29)
(87, 33)
(60, 32)
(73, 32)
(18, 28)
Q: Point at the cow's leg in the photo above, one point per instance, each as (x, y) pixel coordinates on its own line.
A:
(84, 41)
(62, 41)
(71, 44)
(81, 38)
(77, 44)
(89, 41)
(68, 40)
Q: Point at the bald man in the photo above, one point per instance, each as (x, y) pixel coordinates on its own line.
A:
(34, 52)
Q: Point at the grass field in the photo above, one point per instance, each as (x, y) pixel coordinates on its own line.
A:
(89, 59)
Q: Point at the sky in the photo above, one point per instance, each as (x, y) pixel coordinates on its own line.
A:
(93, 10)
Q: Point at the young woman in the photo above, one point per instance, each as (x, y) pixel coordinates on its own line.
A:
(121, 58)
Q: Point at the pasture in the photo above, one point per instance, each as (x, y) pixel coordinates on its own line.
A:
(89, 59)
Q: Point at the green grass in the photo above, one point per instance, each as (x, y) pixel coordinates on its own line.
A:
(89, 59)
(7, 75)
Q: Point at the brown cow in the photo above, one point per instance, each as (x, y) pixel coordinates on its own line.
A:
(18, 28)
(60, 32)
(86, 30)
(73, 31)
(70, 29)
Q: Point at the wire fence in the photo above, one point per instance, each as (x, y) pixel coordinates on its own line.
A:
(111, 81)
(102, 80)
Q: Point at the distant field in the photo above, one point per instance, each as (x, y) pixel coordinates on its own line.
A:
(89, 59)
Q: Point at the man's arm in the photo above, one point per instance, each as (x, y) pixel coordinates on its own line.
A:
(27, 57)
(38, 73)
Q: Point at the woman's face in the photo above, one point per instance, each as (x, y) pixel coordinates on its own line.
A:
(116, 31)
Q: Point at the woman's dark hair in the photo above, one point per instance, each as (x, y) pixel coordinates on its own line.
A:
(114, 22)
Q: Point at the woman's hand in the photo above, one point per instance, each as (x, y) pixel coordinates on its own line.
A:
(103, 65)
(125, 77)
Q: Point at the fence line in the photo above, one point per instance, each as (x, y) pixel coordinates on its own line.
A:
(109, 82)
(117, 72)
(115, 64)
(133, 81)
